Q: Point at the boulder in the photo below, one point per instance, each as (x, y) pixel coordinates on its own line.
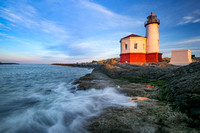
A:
(166, 59)
(109, 66)
(111, 61)
(184, 89)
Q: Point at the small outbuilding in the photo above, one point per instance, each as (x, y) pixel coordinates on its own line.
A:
(181, 57)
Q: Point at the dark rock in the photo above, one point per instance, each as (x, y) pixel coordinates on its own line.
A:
(182, 91)
(95, 80)
(149, 116)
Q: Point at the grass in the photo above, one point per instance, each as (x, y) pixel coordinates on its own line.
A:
(162, 85)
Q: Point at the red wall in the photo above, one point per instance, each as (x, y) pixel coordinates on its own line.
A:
(159, 57)
(154, 57)
(137, 57)
(133, 57)
(125, 57)
(140, 57)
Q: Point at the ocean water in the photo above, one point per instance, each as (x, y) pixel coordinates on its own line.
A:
(42, 99)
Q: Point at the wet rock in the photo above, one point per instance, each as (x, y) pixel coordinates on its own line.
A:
(182, 92)
(95, 80)
(133, 89)
(184, 89)
(149, 116)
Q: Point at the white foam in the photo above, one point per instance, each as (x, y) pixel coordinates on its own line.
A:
(64, 111)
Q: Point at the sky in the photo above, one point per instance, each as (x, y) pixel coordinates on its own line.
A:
(70, 31)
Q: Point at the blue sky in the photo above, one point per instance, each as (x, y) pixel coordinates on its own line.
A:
(66, 31)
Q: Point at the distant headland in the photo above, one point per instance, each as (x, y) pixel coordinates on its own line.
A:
(1, 63)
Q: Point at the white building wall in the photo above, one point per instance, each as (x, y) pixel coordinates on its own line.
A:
(181, 57)
(123, 43)
(141, 45)
(152, 35)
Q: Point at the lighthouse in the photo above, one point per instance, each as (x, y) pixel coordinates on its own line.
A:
(136, 49)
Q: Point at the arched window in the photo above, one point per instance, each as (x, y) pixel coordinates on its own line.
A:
(125, 46)
(135, 46)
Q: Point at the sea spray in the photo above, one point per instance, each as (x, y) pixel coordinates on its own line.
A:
(49, 104)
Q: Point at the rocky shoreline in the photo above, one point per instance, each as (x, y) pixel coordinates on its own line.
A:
(173, 93)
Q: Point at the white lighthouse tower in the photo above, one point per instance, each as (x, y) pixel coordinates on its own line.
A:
(135, 48)
(152, 33)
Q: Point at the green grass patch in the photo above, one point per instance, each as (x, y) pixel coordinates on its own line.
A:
(153, 82)
(162, 85)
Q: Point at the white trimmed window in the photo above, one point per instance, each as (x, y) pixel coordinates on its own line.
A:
(125, 46)
(135, 46)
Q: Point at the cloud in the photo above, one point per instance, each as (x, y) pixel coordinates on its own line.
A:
(196, 20)
(29, 18)
(194, 40)
(7, 38)
(195, 51)
(51, 28)
(194, 17)
(95, 56)
(108, 18)
(197, 12)
(2, 26)
(94, 49)
(188, 17)
(5, 35)
(31, 51)
(97, 7)
(189, 41)
(186, 20)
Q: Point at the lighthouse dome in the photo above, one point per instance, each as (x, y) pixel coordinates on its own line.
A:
(152, 18)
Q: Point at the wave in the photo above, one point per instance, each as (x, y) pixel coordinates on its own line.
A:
(60, 109)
